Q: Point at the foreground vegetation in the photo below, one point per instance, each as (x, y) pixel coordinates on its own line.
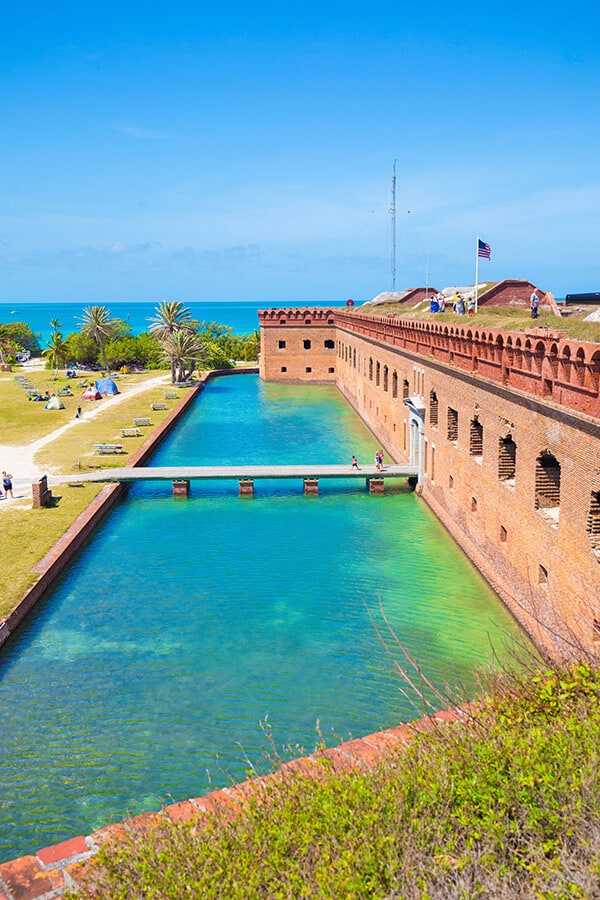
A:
(505, 805)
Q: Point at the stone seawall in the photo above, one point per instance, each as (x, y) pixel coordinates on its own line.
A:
(51, 871)
(63, 551)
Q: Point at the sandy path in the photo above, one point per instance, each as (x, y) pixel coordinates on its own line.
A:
(20, 461)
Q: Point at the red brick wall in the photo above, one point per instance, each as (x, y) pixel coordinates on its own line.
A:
(297, 345)
(541, 389)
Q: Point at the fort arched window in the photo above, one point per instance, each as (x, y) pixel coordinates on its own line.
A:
(595, 370)
(354, 358)
(507, 459)
(476, 439)
(385, 378)
(281, 345)
(370, 368)
(307, 345)
(329, 345)
(452, 425)
(405, 389)
(580, 366)
(394, 385)
(434, 409)
(593, 523)
(547, 483)
(377, 374)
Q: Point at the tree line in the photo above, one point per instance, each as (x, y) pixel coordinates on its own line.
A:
(173, 339)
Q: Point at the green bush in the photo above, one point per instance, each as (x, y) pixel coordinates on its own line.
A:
(504, 805)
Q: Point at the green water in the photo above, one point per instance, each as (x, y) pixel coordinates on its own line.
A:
(184, 629)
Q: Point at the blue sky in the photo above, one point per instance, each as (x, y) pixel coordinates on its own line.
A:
(186, 152)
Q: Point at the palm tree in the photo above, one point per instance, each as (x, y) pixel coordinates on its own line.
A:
(96, 323)
(56, 352)
(171, 317)
(185, 351)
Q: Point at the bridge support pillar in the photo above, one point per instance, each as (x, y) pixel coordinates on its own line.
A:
(311, 485)
(375, 485)
(246, 487)
(181, 488)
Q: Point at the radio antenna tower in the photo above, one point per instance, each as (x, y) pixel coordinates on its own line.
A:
(393, 222)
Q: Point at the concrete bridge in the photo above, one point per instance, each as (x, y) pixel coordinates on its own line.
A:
(181, 476)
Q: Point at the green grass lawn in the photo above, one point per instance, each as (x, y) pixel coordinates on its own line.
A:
(28, 534)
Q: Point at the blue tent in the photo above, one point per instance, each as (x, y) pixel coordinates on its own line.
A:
(106, 387)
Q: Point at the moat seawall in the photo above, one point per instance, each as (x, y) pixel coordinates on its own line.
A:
(505, 427)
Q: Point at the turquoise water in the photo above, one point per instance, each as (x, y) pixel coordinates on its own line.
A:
(186, 627)
(241, 316)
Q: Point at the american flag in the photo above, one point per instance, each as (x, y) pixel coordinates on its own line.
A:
(483, 249)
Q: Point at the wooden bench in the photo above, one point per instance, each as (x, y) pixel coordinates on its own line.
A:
(171, 395)
(108, 448)
(159, 405)
(130, 432)
(141, 421)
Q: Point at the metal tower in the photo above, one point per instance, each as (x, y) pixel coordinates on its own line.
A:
(393, 221)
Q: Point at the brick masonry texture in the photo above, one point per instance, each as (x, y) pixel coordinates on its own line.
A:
(483, 395)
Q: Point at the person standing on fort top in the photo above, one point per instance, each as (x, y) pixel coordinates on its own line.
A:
(470, 306)
(534, 302)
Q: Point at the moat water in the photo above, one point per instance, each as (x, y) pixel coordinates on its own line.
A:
(186, 631)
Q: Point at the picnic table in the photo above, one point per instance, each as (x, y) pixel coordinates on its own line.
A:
(171, 395)
(130, 432)
(143, 420)
(159, 405)
(108, 448)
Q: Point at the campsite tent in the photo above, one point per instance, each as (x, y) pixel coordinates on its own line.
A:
(90, 393)
(54, 403)
(106, 387)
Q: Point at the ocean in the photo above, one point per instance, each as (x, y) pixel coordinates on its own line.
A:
(242, 315)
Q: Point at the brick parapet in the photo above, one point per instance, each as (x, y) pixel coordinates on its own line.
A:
(539, 362)
(51, 871)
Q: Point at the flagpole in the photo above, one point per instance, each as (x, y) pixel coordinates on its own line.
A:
(476, 271)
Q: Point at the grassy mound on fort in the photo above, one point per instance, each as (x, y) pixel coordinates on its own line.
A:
(504, 805)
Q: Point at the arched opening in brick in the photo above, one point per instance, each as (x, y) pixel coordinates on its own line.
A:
(385, 378)
(377, 374)
(452, 425)
(593, 523)
(507, 459)
(329, 345)
(354, 358)
(595, 370)
(476, 438)
(566, 364)
(394, 385)
(547, 482)
(580, 366)
(370, 368)
(405, 388)
(434, 409)
(307, 345)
